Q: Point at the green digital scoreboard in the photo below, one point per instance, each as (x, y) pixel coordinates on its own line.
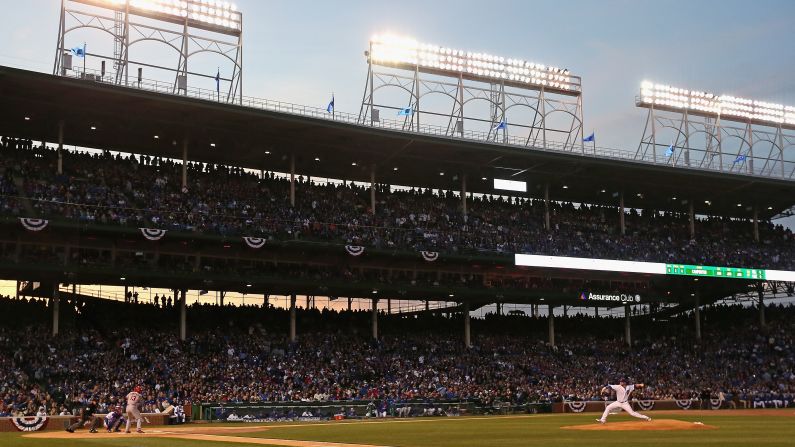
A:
(653, 268)
(714, 272)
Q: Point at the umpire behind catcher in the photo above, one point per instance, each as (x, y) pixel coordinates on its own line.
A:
(87, 415)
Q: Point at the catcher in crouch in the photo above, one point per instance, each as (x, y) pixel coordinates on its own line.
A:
(622, 400)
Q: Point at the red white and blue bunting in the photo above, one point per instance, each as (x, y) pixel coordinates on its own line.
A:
(684, 404)
(354, 250)
(30, 423)
(254, 242)
(32, 224)
(153, 234)
(430, 256)
(577, 407)
(645, 405)
(715, 404)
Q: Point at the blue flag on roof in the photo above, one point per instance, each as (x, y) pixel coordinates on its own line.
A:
(406, 112)
(589, 138)
(79, 52)
(669, 151)
(501, 125)
(218, 81)
(330, 107)
(740, 158)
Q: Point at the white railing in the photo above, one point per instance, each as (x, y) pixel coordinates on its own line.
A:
(420, 306)
(95, 291)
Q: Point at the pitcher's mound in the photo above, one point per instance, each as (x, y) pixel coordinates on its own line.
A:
(655, 424)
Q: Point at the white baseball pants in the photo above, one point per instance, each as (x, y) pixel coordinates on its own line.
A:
(624, 406)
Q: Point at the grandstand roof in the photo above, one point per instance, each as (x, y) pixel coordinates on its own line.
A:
(127, 119)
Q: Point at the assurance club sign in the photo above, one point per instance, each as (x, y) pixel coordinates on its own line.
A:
(610, 297)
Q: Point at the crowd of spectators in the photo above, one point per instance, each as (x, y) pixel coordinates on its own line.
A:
(143, 191)
(103, 354)
(241, 354)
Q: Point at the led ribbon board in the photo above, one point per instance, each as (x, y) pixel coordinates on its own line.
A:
(605, 265)
(653, 268)
(719, 272)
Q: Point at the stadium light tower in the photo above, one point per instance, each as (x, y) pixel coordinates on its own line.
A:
(761, 142)
(189, 27)
(422, 69)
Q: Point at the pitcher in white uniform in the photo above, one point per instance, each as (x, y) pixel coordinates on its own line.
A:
(622, 400)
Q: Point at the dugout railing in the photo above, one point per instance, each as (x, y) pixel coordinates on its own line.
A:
(357, 409)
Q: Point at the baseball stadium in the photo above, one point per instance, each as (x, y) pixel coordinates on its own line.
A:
(450, 259)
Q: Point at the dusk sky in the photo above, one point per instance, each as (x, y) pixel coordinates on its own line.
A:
(301, 51)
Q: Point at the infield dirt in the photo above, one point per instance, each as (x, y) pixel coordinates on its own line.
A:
(218, 434)
(653, 425)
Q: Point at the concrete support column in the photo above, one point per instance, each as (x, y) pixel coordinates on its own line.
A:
(389, 306)
(546, 207)
(17, 294)
(427, 305)
(266, 301)
(184, 163)
(697, 315)
(467, 333)
(621, 214)
(761, 292)
(565, 310)
(596, 311)
(756, 224)
(551, 320)
(692, 217)
(375, 319)
(464, 196)
(627, 329)
(183, 323)
(55, 302)
(292, 317)
(292, 180)
(60, 146)
(372, 190)
(350, 300)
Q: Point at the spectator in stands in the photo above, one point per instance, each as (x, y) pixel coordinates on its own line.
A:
(125, 190)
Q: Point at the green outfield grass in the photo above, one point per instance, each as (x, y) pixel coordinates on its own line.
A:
(538, 430)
